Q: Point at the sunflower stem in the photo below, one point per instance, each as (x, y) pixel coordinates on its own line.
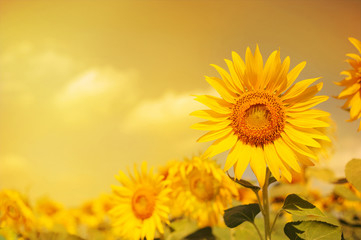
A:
(258, 231)
(266, 215)
(274, 221)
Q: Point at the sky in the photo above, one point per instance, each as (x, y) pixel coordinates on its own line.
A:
(88, 88)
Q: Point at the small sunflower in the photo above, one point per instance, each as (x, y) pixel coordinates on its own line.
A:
(264, 119)
(352, 84)
(15, 213)
(140, 204)
(201, 190)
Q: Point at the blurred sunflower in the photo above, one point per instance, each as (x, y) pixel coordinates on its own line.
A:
(262, 118)
(201, 190)
(140, 204)
(352, 84)
(15, 213)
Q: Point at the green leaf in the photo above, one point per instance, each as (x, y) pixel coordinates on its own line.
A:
(203, 233)
(312, 230)
(298, 206)
(345, 193)
(236, 215)
(245, 183)
(353, 173)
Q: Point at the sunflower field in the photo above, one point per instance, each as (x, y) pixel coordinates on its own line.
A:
(266, 171)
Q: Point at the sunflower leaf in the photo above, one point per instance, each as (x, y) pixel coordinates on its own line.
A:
(353, 173)
(245, 183)
(296, 205)
(203, 233)
(312, 230)
(236, 215)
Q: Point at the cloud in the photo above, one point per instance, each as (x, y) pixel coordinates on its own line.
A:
(95, 93)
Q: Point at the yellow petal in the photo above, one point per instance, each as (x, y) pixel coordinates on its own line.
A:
(258, 165)
(286, 154)
(302, 149)
(354, 56)
(272, 160)
(258, 67)
(300, 137)
(209, 125)
(210, 115)
(281, 80)
(213, 135)
(269, 68)
(236, 78)
(314, 133)
(298, 88)
(293, 74)
(356, 43)
(349, 91)
(311, 113)
(355, 105)
(240, 152)
(221, 145)
(214, 103)
(307, 122)
(308, 104)
(222, 89)
(306, 95)
(226, 77)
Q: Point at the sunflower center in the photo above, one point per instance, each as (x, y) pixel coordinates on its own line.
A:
(203, 186)
(258, 118)
(143, 203)
(13, 212)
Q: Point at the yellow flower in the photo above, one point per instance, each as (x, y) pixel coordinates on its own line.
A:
(262, 117)
(352, 84)
(140, 204)
(15, 213)
(201, 190)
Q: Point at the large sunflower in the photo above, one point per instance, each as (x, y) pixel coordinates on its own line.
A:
(201, 190)
(262, 117)
(140, 204)
(352, 84)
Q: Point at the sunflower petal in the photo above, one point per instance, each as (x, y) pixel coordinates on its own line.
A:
(302, 149)
(213, 135)
(349, 91)
(221, 145)
(307, 122)
(209, 115)
(356, 43)
(209, 125)
(222, 89)
(226, 77)
(240, 152)
(216, 104)
(300, 137)
(308, 104)
(298, 88)
(286, 154)
(293, 74)
(258, 165)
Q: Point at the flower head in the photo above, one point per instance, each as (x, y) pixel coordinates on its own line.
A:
(264, 118)
(140, 204)
(201, 190)
(15, 213)
(352, 84)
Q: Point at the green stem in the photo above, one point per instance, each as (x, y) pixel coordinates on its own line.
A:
(258, 231)
(274, 221)
(266, 206)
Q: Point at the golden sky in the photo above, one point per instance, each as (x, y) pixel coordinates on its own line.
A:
(88, 88)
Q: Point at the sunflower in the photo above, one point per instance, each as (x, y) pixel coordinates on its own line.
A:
(264, 120)
(15, 213)
(201, 190)
(140, 204)
(352, 84)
